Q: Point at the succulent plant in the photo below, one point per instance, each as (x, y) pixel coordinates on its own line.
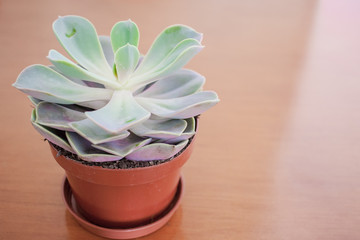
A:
(114, 103)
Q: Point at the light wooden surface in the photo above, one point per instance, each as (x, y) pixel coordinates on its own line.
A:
(278, 158)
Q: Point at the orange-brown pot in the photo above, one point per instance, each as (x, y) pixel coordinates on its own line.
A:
(123, 198)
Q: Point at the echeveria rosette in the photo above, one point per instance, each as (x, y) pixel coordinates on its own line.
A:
(114, 103)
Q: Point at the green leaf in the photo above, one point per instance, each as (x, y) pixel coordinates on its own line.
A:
(181, 107)
(107, 49)
(79, 38)
(188, 132)
(46, 84)
(120, 113)
(56, 116)
(95, 134)
(86, 151)
(160, 129)
(156, 151)
(126, 59)
(70, 69)
(181, 83)
(165, 43)
(34, 101)
(75, 80)
(93, 104)
(55, 136)
(124, 32)
(124, 146)
(174, 60)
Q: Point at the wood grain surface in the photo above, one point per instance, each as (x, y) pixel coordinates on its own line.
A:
(277, 158)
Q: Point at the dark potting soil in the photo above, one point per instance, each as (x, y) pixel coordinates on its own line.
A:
(119, 164)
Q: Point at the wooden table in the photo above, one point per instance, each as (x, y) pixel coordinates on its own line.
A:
(277, 158)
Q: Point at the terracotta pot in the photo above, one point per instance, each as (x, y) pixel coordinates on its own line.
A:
(123, 198)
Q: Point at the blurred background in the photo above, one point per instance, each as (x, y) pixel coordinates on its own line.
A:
(277, 158)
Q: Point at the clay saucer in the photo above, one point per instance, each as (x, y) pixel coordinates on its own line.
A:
(123, 233)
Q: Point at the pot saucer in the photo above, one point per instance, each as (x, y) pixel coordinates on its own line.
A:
(122, 233)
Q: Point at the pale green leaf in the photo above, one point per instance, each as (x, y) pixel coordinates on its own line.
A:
(86, 151)
(188, 132)
(34, 101)
(156, 151)
(165, 43)
(93, 104)
(46, 84)
(126, 59)
(107, 49)
(181, 107)
(124, 146)
(75, 80)
(178, 57)
(54, 136)
(79, 38)
(95, 134)
(124, 32)
(181, 83)
(72, 70)
(56, 116)
(160, 129)
(120, 113)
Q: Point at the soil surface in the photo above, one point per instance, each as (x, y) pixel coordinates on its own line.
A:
(119, 164)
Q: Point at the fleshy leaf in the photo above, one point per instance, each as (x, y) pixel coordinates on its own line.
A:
(181, 107)
(75, 80)
(70, 69)
(126, 59)
(55, 136)
(165, 43)
(56, 116)
(95, 134)
(161, 129)
(79, 38)
(107, 49)
(181, 83)
(85, 151)
(156, 151)
(176, 59)
(124, 32)
(34, 101)
(93, 104)
(46, 84)
(188, 132)
(124, 146)
(120, 113)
